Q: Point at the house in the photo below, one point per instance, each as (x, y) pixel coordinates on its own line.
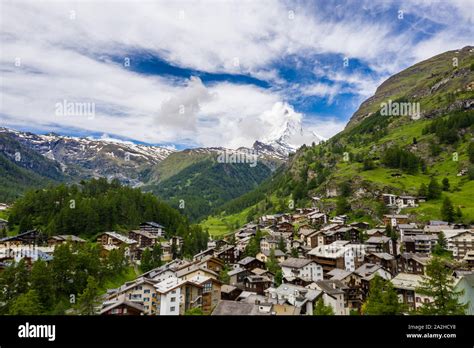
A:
(196, 269)
(229, 292)
(460, 243)
(294, 295)
(64, 238)
(465, 284)
(31, 238)
(238, 275)
(354, 295)
(401, 202)
(406, 284)
(168, 296)
(204, 253)
(375, 232)
(317, 218)
(301, 271)
(420, 243)
(257, 283)
(333, 295)
(211, 292)
(251, 263)
(340, 254)
(153, 227)
(212, 263)
(386, 260)
(264, 255)
(225, 307)
(144, 238)
(367, 272)
(408, 230)
(114, 240)
(413, 263)
(394, 220)
(228, 254)
(469, 259)
(381, 244)
(123, 307)
(141, 291)
(269, 242)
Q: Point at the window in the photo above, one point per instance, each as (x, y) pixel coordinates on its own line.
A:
(172, 309)
(147, 291)
(173, 292)
(173, 299)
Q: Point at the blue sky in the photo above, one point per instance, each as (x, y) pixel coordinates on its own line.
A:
(210, 73)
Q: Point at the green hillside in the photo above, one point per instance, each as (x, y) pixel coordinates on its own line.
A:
(378, 154)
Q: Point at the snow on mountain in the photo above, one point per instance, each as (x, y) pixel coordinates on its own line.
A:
(289, 135)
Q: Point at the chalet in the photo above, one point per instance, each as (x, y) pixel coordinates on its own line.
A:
(394, 220)
(334, 295)
(460, 242)
(256, 283)
(229, 292)
(250, 263)
(349, 233)
(264, 255)
(140, 291)
(263, 272)
(212, 263)
(211, 291)
(228, 254)
(204, 253)
(64, 238)
(269, 242)
(301, 271)
(324, 237)
(295, 295)
(420, 243)
(144, 238)
(195, 270)
(123, 307)
(360, 225)
(317, 218)
(31, 237)
(367, 272)
(381, 244)
(169, 296)
(268, 220)
(385, 260)
(340, 254)
(284, 227)
(114, 240)
(469, 259)
(413, 263)
(353, 281)
(153, 227)
(406, 284)
(408, 230)
(238, 275)
(376, 232)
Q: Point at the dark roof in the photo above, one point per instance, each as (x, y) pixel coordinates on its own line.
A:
(331, 287)
(246, 260)
(293, 262)
(153, 224)
(225, 307)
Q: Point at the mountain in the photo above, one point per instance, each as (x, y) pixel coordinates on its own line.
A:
(22, 168)
(379, 152)
(92, 158)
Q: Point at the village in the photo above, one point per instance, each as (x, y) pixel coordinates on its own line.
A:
(299, 259)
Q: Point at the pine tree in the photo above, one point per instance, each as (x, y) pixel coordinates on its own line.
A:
(447, 210)
(321, 309)
(282, 244)
(439, 285)
(272, 262)
(434, 189)
(41, 279)
(89, 299)
(145, 261)
(26, 304)
(382, 299)
(445, 183)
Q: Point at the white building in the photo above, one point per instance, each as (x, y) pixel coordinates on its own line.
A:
(168, 296)
(304, 269)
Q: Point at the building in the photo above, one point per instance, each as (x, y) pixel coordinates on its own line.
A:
(413, 263)
(122, 307)
(211, 292)
(301, 270)
(225, 307)
(460, 243)
(257, 283)
(340, 254)
(394, 220)
(386, 260)
(229, 292)
(420, 243)
(294, 295)
(144, 238)
(406, 284)
(114, 240)
(382, 244)
(250, 263)
(334, 295)
(237, 276)
(140, 291)
(264, 255)
(153, 227)
(64, 238)
(168, 296)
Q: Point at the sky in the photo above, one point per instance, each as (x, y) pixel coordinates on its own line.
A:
(209, 73)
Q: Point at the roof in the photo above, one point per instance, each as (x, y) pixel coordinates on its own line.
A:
(385, 256)
(293, 262)
(225, 307)
(259, 271)
(278, 253)
(3, 220)
(331, 287)
(68, 237)
(169, 284)
(123, 300)
(406, 281)
(367, 269)
(145, 234)
(236, 271)
(396, 216)
(153, 224)
(286, 290)
(338, 274)
(375, 230)
(246, 260)
(227, 288)
(377, 240)
(120, 237)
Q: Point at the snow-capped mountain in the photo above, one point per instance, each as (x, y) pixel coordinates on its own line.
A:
(289, 136)
(86, 157)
